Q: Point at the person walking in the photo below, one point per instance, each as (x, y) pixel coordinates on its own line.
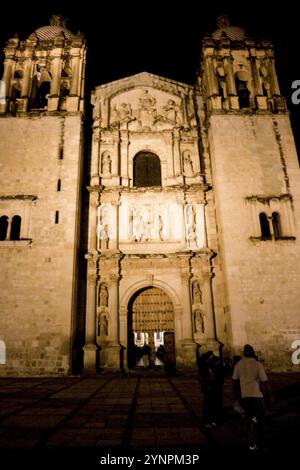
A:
(250, 381)
(211, 384)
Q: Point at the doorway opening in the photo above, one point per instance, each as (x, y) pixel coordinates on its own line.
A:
(151, 341)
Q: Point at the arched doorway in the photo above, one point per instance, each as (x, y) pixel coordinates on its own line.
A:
(151, 324)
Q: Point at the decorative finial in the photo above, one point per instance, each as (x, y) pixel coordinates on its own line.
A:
(58, 20)
(223, 21)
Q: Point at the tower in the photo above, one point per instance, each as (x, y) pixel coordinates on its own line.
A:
(255, 177)
(41, 126)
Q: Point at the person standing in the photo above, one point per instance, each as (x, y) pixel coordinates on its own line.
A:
(209, 387)
(249, 380)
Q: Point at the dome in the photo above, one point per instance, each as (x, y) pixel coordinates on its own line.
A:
(46, 33)
(234, 33)
(55, 28)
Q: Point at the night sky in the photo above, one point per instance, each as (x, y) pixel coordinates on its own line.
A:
(161, 37)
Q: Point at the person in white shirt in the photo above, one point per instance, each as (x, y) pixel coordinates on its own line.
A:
(250, 381)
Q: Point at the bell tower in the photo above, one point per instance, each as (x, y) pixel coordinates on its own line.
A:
(255, 179)
(45, 72)
(41, 128)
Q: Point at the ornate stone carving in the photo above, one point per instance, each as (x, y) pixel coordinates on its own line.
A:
(105, 164)
(141, 228)
(171, 113)
(161, 228)
(122, 114)
(199, 322)
(103, 296)
(103, 227)
(188, 165)
(102, 325)
(147, 109)
(196, 293)
(191, 226)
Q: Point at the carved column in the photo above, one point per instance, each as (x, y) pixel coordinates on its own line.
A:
(75, 76)
(123, 162)
(211, 342)
(212, 83)
(27, 78)
(113, 332)
(256, 80)
(111, 351)
(230, 82)
(94, 202)
(274, 82)
(184, 100)
(188, 345)
(90, 347)
(8, 67)
(95, 160)
(261, 101)
(176, 153)
(55, 71)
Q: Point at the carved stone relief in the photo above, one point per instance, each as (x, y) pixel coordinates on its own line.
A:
(193, 224)
(188, 163)
(146, 110)
(199, 326)
(104, 226)
(105, 164)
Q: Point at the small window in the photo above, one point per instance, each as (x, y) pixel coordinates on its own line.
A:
(58, 185)
(146, 170)
(56, 217)
(61, 152)
(2, 352)
(15, 228)
(264, 226)
(276, 225)
(3, 227)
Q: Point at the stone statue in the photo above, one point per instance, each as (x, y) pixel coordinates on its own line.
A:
(140, 231)
(103, 229)
(103, 296)
(188, 164)
(106, 164)
(171, 112)
(199, 322)
(147, 109)
(102, 325)
(191, 225)
(161, 228)
(197, 294)
(146, 101)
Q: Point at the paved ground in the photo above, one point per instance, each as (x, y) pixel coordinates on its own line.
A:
(137, 415)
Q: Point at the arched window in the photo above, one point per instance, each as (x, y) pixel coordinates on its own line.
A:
(276, 225)
(243, 93)
(264, 226)
(15, 228)
(2, 352)
(146, 170)
(3, 227)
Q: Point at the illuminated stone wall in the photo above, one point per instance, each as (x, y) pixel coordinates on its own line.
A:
(38, 271)
(255, 169)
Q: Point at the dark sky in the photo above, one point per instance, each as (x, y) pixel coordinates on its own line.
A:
(162, 37)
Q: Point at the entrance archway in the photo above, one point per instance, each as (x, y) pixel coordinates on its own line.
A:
(151, 324)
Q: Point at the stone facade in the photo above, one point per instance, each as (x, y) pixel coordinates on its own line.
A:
(193, 201)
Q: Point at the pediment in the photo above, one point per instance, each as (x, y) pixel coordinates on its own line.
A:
(142, 102)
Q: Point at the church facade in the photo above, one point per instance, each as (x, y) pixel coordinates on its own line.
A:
(190, 236)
